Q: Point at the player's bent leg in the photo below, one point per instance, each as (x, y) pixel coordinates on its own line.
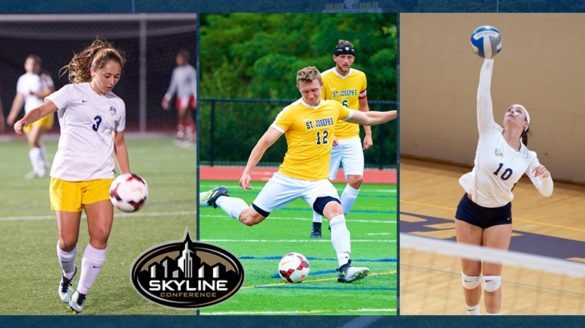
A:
(253, 215)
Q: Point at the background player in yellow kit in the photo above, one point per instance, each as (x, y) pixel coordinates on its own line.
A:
(307, 124)
(348, 86)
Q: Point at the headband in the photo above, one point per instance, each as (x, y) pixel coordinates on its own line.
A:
(344, 50)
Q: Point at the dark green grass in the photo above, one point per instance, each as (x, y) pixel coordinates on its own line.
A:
(372, 223)
(29, 269)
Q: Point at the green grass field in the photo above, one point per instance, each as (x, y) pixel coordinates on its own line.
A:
(372, 223)
(29, 268)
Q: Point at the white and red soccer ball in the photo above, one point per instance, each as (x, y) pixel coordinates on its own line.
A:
(293, 267)
(128, 192)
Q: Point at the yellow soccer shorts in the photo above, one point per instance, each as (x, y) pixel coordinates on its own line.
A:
(72, 196)
(45, 123)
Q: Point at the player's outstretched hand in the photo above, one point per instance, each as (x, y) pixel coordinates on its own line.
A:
(540, 170)
(245, 181)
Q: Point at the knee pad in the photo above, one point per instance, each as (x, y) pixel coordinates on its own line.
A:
(492, 283)
(470, 282)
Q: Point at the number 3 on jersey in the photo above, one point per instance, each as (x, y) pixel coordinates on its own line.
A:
(322, 137)
(506, 174)
(96, 125)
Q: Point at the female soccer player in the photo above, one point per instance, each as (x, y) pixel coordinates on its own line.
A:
(92, 120)
(184, 83)
(31, 88)
(484, 214)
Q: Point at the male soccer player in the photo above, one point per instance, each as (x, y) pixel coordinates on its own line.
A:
(308, 125)
(348, 86)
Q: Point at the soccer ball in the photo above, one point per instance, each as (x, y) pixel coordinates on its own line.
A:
(293, 267)
(486, 41)
(128, 192)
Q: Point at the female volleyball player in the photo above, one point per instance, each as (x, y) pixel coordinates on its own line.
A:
(484, 215)
(92, 120)
(31, 88)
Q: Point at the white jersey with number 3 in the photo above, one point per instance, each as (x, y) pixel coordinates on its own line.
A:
(497, 166)
(88, 121)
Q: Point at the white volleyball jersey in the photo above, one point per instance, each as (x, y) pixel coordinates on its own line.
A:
(88, 121)
(497, 166)
(30, 83)
(183, 82)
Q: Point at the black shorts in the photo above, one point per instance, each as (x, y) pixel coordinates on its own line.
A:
(483, 217)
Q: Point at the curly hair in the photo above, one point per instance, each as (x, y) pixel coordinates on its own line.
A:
(308, 75)
(96, 55)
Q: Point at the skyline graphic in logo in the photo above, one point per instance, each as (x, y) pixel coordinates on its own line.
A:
(187, 274)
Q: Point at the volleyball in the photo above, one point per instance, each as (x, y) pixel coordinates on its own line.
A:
(486, 41)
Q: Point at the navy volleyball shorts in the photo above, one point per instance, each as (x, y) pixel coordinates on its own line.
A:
(483, 217)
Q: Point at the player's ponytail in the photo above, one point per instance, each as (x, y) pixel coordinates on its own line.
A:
(96, 55)
(524, 136)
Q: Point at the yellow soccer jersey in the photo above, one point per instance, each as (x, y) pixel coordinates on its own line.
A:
(308, 131)
(347, 90)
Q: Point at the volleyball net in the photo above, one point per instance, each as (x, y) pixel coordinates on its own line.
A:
(430, 279)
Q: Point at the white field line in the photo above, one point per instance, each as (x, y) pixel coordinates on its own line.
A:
(117, 215)
(366, 310)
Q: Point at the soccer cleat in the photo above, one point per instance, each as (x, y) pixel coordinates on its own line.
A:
(76, 302)
(347, 273)
(214, 194)
(64, 287)
(315, 230)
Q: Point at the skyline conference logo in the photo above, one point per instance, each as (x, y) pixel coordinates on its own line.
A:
(187, 274)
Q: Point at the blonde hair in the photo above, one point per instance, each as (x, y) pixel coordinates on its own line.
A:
(96, 55)
(343, 43)
(308, 75)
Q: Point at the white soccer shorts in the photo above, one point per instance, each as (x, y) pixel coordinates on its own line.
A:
(281, 190)
(350, 154)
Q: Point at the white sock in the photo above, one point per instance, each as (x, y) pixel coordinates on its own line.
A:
(67, 261)
(232, 206)
(317, 218)
(340, 238)
(44, 157)
(472, 310)
(36, 161)
(348, 197)
(91, 264)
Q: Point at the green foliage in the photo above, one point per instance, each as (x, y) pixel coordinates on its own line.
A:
(258, 55)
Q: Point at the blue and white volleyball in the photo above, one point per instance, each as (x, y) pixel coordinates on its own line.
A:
(486, 41)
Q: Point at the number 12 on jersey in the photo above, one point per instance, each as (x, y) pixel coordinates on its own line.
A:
(322, 137)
